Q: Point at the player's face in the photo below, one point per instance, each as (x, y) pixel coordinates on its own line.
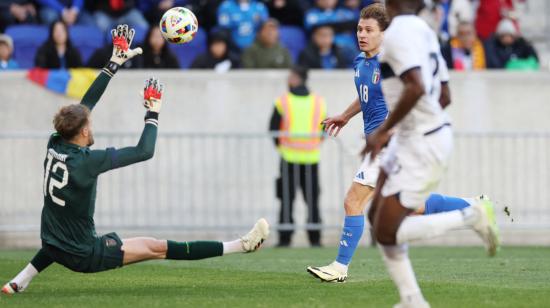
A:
(369, 35)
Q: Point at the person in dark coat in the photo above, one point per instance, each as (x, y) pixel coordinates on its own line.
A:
(58, 51)
(156, 53)
(219, 56)
(322, 52)
(507, 45)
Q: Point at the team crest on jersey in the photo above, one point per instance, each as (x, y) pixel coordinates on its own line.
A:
(376, 76)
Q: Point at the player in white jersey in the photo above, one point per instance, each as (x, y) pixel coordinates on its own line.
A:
(418, 152)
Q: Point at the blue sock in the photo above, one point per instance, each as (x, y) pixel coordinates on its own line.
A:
(351, 234)
(437, 203)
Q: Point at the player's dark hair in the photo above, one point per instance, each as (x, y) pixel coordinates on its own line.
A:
(377, 12)
(70, 119)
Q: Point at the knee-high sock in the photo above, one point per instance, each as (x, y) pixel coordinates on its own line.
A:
(193, 250)
(437, 203)
(427, 226)
(351, 234)
(400, 269)
(40, 261)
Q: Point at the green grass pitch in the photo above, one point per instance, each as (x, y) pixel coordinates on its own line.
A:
(449, 277)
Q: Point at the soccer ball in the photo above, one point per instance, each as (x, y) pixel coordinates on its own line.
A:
(178, 25)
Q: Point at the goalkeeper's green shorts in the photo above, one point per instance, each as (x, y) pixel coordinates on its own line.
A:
(106, 254)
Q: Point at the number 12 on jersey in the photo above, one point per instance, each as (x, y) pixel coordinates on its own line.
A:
(53, 182)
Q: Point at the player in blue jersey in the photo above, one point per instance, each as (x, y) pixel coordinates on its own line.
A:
(370, 31)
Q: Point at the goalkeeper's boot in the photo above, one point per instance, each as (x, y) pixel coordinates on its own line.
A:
(329, 273)
(486, 225)
(11, 288)
(255, 238)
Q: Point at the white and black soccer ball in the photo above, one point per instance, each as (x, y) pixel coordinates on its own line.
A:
(178, 25)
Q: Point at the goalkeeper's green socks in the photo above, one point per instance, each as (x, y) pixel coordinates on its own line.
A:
(193, 250)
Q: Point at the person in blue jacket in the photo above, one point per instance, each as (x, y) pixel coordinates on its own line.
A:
(243, 18)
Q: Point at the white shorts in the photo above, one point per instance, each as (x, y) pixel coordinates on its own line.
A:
(367, 175)
(415, 165)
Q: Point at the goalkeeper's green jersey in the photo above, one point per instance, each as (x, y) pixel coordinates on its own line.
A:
(70, 181)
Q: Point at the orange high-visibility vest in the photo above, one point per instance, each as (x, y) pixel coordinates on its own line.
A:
(301, 128)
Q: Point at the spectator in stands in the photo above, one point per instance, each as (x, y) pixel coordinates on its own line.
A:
(507, 49)
(456, 11)
(16, 12)
(218, 57)
(58, 52)
(267, 51)
(322, 52)
(109, 13)
(154, 9)
(288, 12)
(6, 51)
(70, 11)
(156, 53)
(465, 51)
(343, 20)
(207, 12)
(489, 13)
(242, 18)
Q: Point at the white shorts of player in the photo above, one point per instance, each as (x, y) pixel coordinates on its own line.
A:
(415, 165)
(368, 171)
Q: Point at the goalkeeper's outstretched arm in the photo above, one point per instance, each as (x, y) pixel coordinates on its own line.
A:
(122, 40)
(104, 160)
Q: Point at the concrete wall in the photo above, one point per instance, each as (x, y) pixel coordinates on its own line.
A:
(242, 101)
(512, 170)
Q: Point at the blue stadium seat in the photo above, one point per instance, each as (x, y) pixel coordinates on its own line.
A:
(27, 39)
(294, 39)
(86, 39)
(186, 53)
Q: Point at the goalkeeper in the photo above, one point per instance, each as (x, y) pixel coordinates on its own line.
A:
(70, 177)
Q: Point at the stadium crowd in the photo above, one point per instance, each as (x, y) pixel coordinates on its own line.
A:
(475, 34)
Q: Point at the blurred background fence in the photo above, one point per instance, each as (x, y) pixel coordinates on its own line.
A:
(215, 166)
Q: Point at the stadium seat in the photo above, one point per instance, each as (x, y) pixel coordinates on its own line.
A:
(86, 39)
(294, 39)
(186, 53)
(27, 39)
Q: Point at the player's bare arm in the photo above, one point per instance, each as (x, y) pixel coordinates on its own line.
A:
(333, 125)
(445, 97)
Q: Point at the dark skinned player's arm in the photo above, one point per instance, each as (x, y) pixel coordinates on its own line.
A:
(413, 89)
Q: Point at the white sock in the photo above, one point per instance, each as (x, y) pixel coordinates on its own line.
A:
(25, 276)
(401, 271)
(428, 226)
(342, 268)
(233, 247)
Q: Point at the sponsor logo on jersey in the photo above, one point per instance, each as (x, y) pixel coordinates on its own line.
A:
(357, 73)
(376, 76)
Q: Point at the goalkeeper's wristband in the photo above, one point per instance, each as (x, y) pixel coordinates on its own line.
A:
(111, 68)
(152, 118)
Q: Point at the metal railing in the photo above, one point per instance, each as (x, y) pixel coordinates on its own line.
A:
(202, 181)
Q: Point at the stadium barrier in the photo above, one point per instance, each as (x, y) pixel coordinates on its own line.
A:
(209, 181)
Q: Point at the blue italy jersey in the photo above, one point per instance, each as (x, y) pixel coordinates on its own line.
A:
(367, 82)
(243, 19)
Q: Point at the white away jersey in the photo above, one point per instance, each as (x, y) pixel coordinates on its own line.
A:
(409, 43)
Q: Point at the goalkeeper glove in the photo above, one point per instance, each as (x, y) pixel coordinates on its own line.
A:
(122, 40)
(152, 95)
